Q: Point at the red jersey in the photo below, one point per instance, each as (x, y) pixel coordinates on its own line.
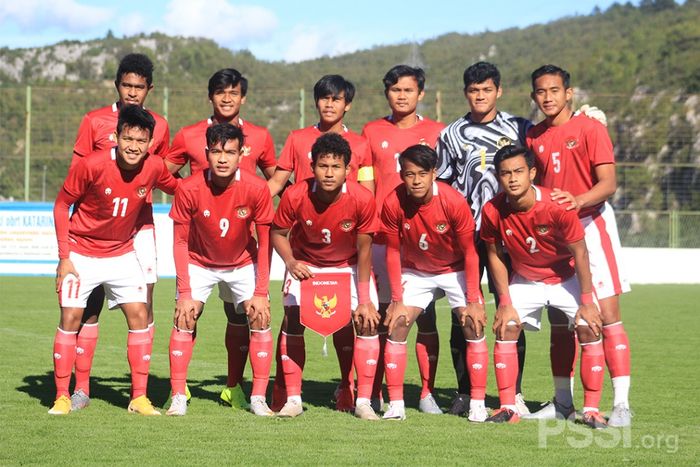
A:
(537, 240)
(221, 221)
(387, 141)
(568, 154)
(107, 202)
(98, 127)
(296, 153)
(325, 235)
(191, 141)
(428, 232)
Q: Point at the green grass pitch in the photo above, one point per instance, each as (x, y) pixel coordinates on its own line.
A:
(661, 322)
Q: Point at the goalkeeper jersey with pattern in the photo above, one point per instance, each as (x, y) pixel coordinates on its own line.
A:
(465, 155)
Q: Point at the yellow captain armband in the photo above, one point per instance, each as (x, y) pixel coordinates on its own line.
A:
(365, 174)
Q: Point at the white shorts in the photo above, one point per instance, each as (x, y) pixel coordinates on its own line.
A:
(225, 293)
(529, 298)
(291, 290)
(380, 273)
(240, 281)
(121, 276)
(145, 248)
(421, 288)
(604, 253)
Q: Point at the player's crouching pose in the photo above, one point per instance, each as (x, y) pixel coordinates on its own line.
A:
(108, 191)
(213, 215)
(331, 221)
(542, 239)
(430, 251)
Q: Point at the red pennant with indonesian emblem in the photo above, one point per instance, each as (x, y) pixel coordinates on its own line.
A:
(325, 302)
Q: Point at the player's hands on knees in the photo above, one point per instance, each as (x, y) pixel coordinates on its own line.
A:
(591, 315)
(504, 315)
(474, 316)
(299, 270)
(564, 197)
(65, 267)
(397, 315)
(186, 314)
(366, 319)
(258, 310)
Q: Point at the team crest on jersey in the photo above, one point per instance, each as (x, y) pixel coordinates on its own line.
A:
(503, 141)
(346, 225)
(245, 151)
(441, 227)
(571, 143)
(206, 213)
(325, 307)
(540, 149)
(141, 191)
(243, 212)
(542, 229)
(108, 191)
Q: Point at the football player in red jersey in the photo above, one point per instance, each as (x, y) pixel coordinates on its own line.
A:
(227, 90)
(325, 225)
(213, 217)
(387, 137)
(575, 159)
(548, 255)
(333, 96)
(108, 190)
(430, 253)
(134, 80)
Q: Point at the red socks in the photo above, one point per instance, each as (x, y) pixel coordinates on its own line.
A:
(592, 373)
(181, 346)
(427, 350)
(344, 342)
(237, 342)
(395, 368)
(85, 351)
(477, 365)
(365, 359)
(505, 358)
(64, 344)
(138, 345)
(260, 360)
(293, 356)
(617, 349)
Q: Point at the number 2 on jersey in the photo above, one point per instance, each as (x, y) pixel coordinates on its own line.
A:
(533, 245)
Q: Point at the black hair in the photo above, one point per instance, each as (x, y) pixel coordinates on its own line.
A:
(223, 133)
(333, 85)
(138, 64)
(227, 77)
(551, 70)
(399, 71)
(510, 151)
(135, 116)
(480, 72)
(331, 143)
(421, 155)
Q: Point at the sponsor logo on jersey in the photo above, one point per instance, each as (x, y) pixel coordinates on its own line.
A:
(385, 144)
(423, 142)
(112, 137)
(540, 149)
(325, 307)
(309, 155)
(503, 141)
(509, 232)
(346, 225)
(242, 212)
(108, 191)
(407, 226)
(245, 151)
(308, 222)
(206, 213)
(571, 143)
(542, 229)
(141, 191)
(441, 226)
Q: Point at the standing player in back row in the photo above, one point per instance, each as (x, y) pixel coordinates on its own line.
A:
(107, 190)
(387, 138)
(575, 159)
(213, 214)
(227, 93)
(333, 96)
(134, 80)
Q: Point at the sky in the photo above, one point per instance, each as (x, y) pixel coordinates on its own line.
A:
(286, 30)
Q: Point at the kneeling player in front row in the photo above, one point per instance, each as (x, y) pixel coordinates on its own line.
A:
(213, 215)
(108, 190)
(543, 239)
(324, 225)
(430, 253)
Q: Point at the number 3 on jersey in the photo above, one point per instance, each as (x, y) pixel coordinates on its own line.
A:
(326, 236)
